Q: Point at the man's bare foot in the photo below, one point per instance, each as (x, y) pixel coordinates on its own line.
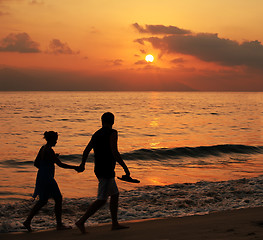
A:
(118, 227)
(27, 226)
(63, 227)
(81, 227)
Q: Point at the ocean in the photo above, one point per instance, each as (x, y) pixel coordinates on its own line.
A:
(194, 152)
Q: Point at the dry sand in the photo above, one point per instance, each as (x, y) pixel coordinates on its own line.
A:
(228, 225)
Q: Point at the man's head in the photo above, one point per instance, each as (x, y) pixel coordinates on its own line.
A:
(107, 119)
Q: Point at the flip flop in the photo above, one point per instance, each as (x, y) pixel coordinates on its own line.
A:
(128, 179)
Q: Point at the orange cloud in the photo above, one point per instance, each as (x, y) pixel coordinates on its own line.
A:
(20, 42)
(58, 47)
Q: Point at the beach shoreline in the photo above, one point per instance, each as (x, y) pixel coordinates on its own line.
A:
(246, 223)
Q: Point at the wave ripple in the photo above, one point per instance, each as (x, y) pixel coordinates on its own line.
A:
(195, 152)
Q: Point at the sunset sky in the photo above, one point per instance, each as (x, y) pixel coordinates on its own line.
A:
(101, 45)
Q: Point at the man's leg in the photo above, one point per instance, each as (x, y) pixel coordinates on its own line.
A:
(94, 207)
(114, 203)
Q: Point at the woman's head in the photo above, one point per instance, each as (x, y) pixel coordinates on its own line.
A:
(51, 137)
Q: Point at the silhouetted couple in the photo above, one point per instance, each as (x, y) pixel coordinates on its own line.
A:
(106, 154)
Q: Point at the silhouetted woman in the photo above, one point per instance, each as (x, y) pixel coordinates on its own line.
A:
(46, 186)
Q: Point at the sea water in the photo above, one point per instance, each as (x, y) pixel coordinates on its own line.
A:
(194, 152)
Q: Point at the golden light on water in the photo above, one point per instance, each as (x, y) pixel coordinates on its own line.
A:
(154, 123)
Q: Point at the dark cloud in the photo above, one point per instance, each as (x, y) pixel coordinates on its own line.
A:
(160, 29)
(140, 62)
(209, 47)
(116, 62)
(58, 47)
(4, 13)
(20, 42)
(36, 2)
(94, 30)
(140, 41)
(177, 60)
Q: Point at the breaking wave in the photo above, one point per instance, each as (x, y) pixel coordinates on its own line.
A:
(161, 153)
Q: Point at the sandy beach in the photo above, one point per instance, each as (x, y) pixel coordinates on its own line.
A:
(235, 224)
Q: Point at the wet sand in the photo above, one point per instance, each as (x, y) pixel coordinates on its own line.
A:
(234, 224)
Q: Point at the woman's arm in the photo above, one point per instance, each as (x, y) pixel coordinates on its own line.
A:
(38, 158)
(59, 163)
(64, 165)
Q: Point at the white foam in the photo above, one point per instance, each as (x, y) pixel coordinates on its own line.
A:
(174, 200)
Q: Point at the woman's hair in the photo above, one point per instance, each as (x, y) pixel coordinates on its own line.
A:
(50, 135)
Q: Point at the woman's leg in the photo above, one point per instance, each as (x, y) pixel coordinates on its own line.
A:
(32, 213)
(58, 211)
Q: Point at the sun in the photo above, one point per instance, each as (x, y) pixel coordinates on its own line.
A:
(149, 58)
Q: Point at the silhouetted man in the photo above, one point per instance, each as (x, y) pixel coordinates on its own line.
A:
(104, 144)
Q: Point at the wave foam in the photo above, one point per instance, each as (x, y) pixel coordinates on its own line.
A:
(174, 200)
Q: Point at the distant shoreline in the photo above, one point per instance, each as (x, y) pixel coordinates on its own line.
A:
(168, 91)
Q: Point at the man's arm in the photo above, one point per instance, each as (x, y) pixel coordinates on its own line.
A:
(115, 151)
(86, 154)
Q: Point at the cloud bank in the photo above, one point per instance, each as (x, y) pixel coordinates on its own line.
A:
(42, 80)
(207, 47)
(20, 42)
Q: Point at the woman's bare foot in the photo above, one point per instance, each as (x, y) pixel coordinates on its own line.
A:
(81, 227)
(118, 227)
(27, 226)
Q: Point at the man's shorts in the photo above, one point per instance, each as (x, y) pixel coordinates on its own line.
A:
(107, 187)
